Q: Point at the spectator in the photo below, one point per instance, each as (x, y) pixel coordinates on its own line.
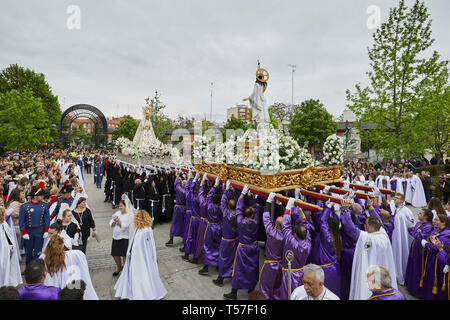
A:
(9, 293)
(73, 291)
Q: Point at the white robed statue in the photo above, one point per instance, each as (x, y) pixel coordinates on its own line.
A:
(144, 133)
(140, 278)
(257, 99)
(9, 254)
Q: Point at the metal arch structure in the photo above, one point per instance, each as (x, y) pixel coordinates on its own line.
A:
(85, 111)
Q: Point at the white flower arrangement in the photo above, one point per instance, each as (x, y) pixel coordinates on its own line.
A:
(333, 150)
(154, 149)
(266, 156)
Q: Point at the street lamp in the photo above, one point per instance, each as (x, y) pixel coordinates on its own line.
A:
(293, 66)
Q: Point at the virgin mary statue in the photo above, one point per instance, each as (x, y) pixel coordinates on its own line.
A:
(144, 134)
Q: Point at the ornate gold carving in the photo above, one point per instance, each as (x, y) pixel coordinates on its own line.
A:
(284, 180)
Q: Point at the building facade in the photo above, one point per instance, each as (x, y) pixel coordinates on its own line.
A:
(240, 112)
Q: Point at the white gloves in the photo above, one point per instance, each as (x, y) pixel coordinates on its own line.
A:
(446, 268)
(290, 204)
(245, 189)
(297, 193)
(346, 185)
(190, 176)
(227, 187)
(328, 204)
(424, 242)
(376, 192)
(45, 235)
(205, 177)
(26, 237)
(216, 184)
(326, 189)
(270, 197)
(197, 176)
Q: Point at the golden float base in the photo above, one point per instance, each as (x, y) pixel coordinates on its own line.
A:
(284, 180)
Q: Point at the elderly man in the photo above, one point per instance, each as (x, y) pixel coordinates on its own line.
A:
(35, 289)
(313, 288)
(380, 283)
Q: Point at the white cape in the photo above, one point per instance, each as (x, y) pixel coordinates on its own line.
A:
(371, 249)
(258, 104)
(400, 186)
(418, 195)
(10, 274)
(76, 269)
(401, 241)
(139, 279)
(409, 193)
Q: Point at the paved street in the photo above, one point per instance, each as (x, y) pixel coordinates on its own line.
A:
(180, 278)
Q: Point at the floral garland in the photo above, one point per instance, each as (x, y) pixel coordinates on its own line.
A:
(155, 149)
(266, 156)
(292, 156)
(333, 151)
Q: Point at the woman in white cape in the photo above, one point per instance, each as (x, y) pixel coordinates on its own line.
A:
(140, 278)
(64, 266)
(9, 254)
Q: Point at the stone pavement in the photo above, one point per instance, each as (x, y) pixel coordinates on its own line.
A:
(180, 278)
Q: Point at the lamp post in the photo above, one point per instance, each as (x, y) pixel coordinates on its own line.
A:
(293, 66)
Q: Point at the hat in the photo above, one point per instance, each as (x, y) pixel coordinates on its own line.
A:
(66, 189)
(36, 191)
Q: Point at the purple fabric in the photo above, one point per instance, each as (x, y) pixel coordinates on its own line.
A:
(416, 257)
(391, 294)
(246, 264)
(213, 232)
(404, 185)
(191, 236)
(435, 266)
(38, 292)
(177, 225)
(270, 277)
(393, 183)
(384, 182)
(387, 225)
(326, 256)
(228, 244)
(301, 250)
(261, 234)
(198, 250)
(349, 235)
(188, 212)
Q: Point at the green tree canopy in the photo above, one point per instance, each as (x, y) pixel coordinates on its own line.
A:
(19, 78)
(24, 124)
(126, 128)
(401, 73)
(235, 123)
(311, 123)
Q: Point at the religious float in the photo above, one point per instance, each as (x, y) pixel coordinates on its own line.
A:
(264, 158)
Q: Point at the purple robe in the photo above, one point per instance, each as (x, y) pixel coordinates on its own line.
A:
(387, 225)
(188, 212)
(246, 262)
(404, 185)
(390, 294)
(433, 282)
(346, 262)
(228, 243)
(38, 292)
(416, 261)
(270, 275)
(301, 250)
(259, 209)
(198, 250)
(191, 236)
(213, 232)
(177, 225)
(326, 257)
(393, 183)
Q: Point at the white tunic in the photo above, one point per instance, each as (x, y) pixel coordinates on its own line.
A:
(418, 194)
(140, 278)
(9, 257)
(401, 240)
(371, 249)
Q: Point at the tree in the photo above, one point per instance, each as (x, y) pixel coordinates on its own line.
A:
(19, 78)
(183, 123)
(24, 124)
(126, 128)
(160, 121)
(235, 124)
(311, 123)
(282, 112)
(400, 75)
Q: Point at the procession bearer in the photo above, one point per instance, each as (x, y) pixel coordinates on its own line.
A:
(34, 221)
